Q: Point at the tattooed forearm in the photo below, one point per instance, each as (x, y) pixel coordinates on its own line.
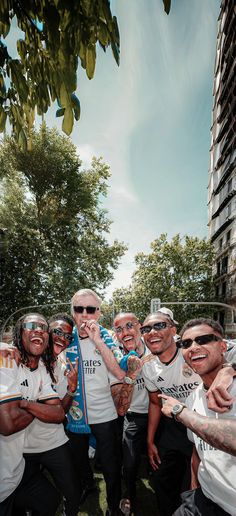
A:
(220, 433)
(122, 396)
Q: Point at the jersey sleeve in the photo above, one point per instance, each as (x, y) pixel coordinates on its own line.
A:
(230, 354)
(149, 384)
(9, 388)
(190, 435)
(61, 380)
(112, 379)
(48, 391)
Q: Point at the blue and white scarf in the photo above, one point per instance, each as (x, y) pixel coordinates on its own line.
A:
(77, 416)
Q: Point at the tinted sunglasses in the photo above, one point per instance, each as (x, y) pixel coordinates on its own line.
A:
(60, 333)
(156, 326)
(88, 309)
(128, 326)
(200, 339)
(35, 326)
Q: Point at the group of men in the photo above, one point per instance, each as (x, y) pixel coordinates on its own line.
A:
(150, 389)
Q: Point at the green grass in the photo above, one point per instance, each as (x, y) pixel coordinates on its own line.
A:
(96, 505)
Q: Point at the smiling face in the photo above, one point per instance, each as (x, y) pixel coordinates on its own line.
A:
(205, 359)
(160, 342)
(35, 340)
(85, 300)
(61, 331)
(127, 329)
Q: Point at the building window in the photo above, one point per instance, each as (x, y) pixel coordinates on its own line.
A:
(217, 291)
(228, 237)
(224, 289)
(222, 318)
(228, 210)
(221, 243)
(230, 182)
(218, 268)
(224, 268)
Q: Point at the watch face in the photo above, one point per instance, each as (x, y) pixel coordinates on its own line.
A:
(177, 409)
(129, 380)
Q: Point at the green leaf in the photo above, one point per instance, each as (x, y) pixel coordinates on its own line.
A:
(22, 140)
(167, 5)
(76, 105)
(68, 121)
(3, 119)
(64, 97)
(90, 61)
(60, 112)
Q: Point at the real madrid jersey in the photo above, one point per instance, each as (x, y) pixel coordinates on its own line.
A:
(17, 383)
(40, 436)
(176, 379)
(100, 405)
(217, 469)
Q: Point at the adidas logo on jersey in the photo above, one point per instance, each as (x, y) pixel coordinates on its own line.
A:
(160, 379)
(25, 383)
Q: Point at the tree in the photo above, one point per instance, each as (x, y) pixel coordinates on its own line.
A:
(57, 35)
(56, 228)
(176, 270)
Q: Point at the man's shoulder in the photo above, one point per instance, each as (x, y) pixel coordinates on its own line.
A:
(148, 358)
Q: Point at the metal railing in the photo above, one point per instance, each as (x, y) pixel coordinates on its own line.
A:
(4, 326)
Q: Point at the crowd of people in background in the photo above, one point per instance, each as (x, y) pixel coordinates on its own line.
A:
(139, 389)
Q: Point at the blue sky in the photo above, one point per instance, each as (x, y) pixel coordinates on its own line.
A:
(150, 120)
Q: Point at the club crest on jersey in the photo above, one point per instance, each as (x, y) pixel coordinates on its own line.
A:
(187, 371)
(75, 411)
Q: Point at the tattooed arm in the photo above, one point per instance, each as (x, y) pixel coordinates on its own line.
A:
(220, 433)
(122, 393)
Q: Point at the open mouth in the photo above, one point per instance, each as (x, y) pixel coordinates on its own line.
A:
(126, 339)
(197, 358)
(37, 340)
(155, 340)
(59, 344)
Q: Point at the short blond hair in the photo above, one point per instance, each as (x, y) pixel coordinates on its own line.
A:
(85, 292)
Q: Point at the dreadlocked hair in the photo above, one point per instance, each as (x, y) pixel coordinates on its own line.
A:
(49, 359)
(17, 341)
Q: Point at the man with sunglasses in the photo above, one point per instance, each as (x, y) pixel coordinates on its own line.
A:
(46, 444)
(214, 435)
(166, 372)
(26, 394)
(131, 400)
(98, 364)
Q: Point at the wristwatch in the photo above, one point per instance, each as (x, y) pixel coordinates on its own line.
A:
(230, 364)
(177, 409)
(129, 380)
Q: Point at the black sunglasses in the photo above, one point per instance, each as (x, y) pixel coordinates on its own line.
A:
(88, 309)
(35, 326)
(60, 333)
(128, 326)
(200, 339)
(156, 326)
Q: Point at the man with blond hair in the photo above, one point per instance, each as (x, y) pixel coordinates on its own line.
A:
(93, 407)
